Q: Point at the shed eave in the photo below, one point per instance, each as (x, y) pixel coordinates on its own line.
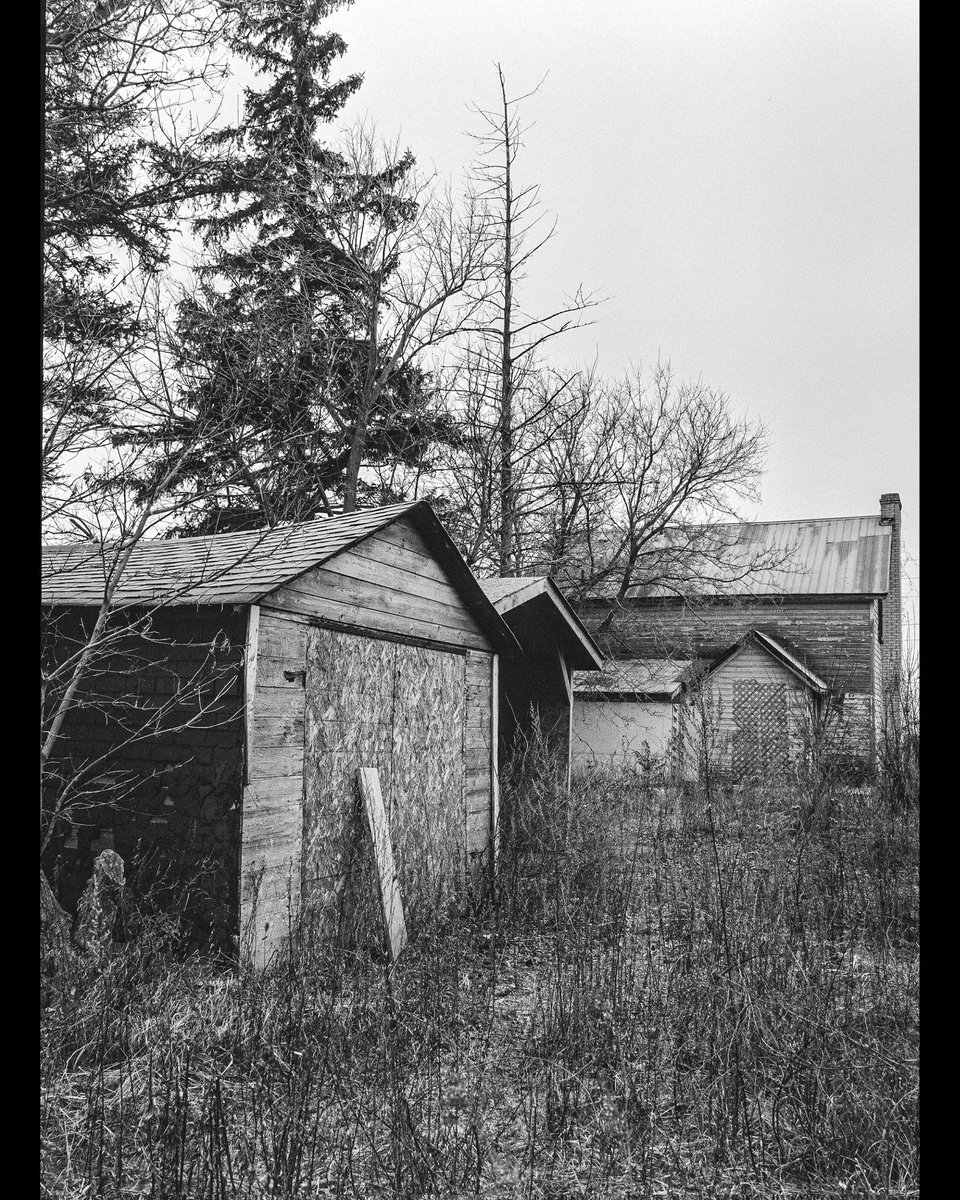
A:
(583, 654)
(589, 695)
(776, 651)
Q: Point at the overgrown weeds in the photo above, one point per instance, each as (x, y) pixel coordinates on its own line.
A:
(667, 998)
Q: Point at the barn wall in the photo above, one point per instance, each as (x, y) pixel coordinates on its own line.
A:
(377, 598)
(178, 818)
(835, 638)
(618, 731)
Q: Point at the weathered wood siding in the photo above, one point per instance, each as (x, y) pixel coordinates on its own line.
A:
(370, 660)
(834, 637)
(480, 755)
(751, 668)
(162, 716)
(389, 583)
(273, 797)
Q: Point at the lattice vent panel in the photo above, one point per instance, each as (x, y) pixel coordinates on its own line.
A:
(760, 743)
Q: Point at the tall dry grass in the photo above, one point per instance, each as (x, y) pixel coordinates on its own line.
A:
(665, 998)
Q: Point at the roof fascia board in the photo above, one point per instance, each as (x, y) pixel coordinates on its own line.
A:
(783, 655)
(545, 586)
(576, 626)
(776, 651)
(480, 607)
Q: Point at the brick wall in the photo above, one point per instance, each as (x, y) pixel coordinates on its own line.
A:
(157, 738)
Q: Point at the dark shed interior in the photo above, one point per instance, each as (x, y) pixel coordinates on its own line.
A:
(537, 685)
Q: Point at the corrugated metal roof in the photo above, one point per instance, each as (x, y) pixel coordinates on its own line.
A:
(655, 677)
(223, 568)
(833, 556)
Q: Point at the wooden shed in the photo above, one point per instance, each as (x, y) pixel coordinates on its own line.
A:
(359, 640)
(754, 709)
(539, 681)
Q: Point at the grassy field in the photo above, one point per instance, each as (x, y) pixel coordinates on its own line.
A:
(667, 997)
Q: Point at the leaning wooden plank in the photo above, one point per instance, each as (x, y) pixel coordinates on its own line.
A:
(368, 781)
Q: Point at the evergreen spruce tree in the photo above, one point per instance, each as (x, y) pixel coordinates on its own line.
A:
(272, 335)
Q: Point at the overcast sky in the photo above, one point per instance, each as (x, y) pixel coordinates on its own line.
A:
(739, 177)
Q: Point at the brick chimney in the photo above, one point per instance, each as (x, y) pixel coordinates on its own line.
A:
(891, 649)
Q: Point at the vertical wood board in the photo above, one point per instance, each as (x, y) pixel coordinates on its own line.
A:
(368, 782)
(250, 684)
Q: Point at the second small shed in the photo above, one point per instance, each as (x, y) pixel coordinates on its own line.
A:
(539, 682)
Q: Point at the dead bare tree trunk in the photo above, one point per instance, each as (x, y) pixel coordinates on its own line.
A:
(512, 337)
(507, 498)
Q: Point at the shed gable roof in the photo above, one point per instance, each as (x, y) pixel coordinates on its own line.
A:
(637, 678)
(512, 594)
(777, 651)
(244, 567)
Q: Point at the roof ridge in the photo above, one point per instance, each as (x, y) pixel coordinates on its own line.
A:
(785, 521)
(231, 533)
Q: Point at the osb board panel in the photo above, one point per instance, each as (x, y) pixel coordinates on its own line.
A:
(428, 772)
(348, 723)
(402, 710)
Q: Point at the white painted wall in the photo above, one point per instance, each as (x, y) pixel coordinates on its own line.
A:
(614, 731)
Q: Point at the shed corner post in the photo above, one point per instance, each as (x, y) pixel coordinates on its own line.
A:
(247, 903)
(566, 673)
(494, 762)
(251, 650)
